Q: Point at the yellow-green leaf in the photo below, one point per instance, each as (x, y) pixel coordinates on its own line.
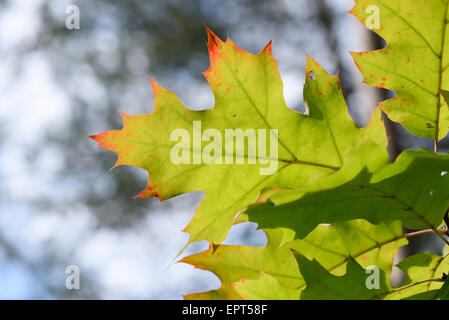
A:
(414, 190)
(419, 268)
(414, 64)
(234, 263)
(248, 96)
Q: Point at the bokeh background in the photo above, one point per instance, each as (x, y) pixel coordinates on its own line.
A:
(59, 203)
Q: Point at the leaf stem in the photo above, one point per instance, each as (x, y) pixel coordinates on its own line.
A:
(415, 284)
(382, 295)
(417, 233)
(438, 232)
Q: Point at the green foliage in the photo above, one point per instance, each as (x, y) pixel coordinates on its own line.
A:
(332, 245)
(419, 268)
(414, 63)
(265, 288)
(443, 294)
(335, 201)
(352, 286)
(368, 187)
(233, 263)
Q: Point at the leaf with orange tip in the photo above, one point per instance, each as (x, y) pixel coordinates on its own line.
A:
(270, 272)
(234, 263)
(248, 96)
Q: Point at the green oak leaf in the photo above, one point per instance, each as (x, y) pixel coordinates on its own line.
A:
(418, 268)
(356, 284)
(414, 64)
(248, 96)
(322, 285)
(233, 263)
(332, 246)
(413, 190)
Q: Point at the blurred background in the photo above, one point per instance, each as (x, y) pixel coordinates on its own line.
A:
(59, 203)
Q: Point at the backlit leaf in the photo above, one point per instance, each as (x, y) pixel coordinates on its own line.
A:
(414, 64)
(249, 96)
(368, 187)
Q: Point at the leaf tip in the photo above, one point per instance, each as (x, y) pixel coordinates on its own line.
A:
(102, 139)
(268, 48)
(353, 9)
(156, 88)
(314, 67)
(124, 115)
(149, 192)
(213, 42)
(311, 63)
(94, 137)
(354, 56)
